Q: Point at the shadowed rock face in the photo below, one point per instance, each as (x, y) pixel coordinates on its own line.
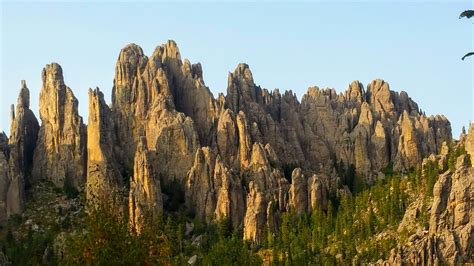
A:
(16, 155)
(60, 154)
(247, 156)
(4, 175)
(24, 129)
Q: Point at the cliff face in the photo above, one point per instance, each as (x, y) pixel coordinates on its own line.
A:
(247, 156)
(103, 176)
(60, 150)
(166, 100)
(145, 190)
(143, 105)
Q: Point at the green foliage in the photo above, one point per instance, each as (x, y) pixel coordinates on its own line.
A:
(430, 172)
(454, 153)
(15, 219)
(224, 227)
(108, 240)
(230, 251)
(348, 231)
(27, 250)
(348, 175)
(388, 169)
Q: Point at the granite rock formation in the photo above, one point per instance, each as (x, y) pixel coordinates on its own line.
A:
(145, 197)
(449, 238)
(247, 156)
(16, 155)
(4, 175)
(143, 105)
(60, 154)
(103, 176)
(469, 140)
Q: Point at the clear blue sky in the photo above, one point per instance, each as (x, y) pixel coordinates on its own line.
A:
(416, 47)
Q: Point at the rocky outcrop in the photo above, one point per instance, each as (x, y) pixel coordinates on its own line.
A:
(317, 194)
(190, 93)
(200, 193)
(408, 151)
(380, 97)
(103, 176)
(241, 89)
(60, 150)
(255, 213)
(244, 141)
(299, 192)
(23, 131)
(230, 195)
(366, 129)
(17, 155)
(143, 104)
(173, 142)
(130, 100)
(228, 137)
(469, 142)
(450, 235)
(266, 185)
(145, 200)
(4, 175)
(213, 191)
(452, 215)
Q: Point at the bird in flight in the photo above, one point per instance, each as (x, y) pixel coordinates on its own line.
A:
(467, 14)
(466, 55)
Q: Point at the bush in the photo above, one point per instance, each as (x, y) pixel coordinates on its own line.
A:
(231, 251)
(29, 249)
(108, 240)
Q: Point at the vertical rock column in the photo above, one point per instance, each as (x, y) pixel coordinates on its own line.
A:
(17, 156)
(60, 152)
(145, 200)
(103, 178)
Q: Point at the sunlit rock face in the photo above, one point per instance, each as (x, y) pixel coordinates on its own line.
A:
(103, 175)
(60, 154)
(143, 105)
(145, 190)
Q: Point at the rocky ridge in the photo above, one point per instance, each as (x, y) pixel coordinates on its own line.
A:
(247, 156)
